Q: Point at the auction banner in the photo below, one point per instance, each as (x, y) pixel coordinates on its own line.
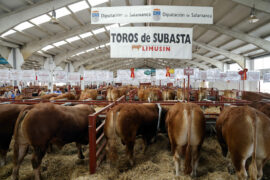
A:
(4, 74)
(43, 76)
(154, 14)
(151, 42)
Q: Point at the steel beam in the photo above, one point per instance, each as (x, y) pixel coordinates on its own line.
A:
(257, 4)
(235, 57)
(15, 18)
(262, 43)
(34, 46)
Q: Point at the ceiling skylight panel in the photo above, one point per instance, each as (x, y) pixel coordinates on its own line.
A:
(11, 31)
(75, 38)
(96, 2)
(78, 6)
(97, 31)
(86, 35)
(112, 26)
(60, 43)
(123, 24)
(23, 26)
(47, 47)
(89, 50)
(41, 19)
(107, 44)
(80, 53)
(61, 12)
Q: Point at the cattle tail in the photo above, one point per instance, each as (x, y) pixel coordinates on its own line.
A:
(188, 157)
(21, 146)
(253, 166)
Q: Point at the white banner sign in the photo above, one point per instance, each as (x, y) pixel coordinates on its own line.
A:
(253, 76)
(60, 76)
(266, 77)
(232, 76)
(89, 76)
(28, 75)
(151, 42)
(4, 74)
(143, 74)
(123, 75)
(161, 74)
(74, 77)
(156, 14)
(15, 74)
(43, 76)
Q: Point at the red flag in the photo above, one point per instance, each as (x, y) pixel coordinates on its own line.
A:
(132, 75)
(168, 72)
(243, 74)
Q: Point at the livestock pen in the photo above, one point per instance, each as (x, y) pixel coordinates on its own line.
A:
(95, 148)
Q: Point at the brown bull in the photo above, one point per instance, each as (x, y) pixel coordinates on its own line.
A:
(8, 116)
(89, 94)
(168, 94)
(68, 96)
(245, 132)
(128, 120)
(49, 96)
(186, 124)
(182, 94)
(46, 123)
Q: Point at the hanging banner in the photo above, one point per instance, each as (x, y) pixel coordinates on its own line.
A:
(43, 76)
(28, 75)
(89, 76)
(266, 77)
(74, 77)
(203, 75)
(233, 76)
(155, 14)
(161, 74)
(151, 42)
(15, 74)
(124, 74)
(253, 76)
(60, 76)
(4, 74)
(143, 74)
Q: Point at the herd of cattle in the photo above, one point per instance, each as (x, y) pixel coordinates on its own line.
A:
(144, 93)
(243, 131)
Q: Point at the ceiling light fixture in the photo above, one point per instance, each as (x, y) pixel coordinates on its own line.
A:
(253, 18)
(53, 18)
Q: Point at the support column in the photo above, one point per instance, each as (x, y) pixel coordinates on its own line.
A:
(81, 70)
(15, 59)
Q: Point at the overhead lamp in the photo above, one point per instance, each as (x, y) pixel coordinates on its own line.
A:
(53, 18)
(252, 18)
(99, 49)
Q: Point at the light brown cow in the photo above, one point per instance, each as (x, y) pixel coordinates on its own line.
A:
(128, 120)
(8, 117)
(182, 94)
(245, 132)
(230, 94)
(68, 96)
(186, 124)
(149, 94)
(46, 123)
(168, 94)
(89, 94)
(202, 94)
(49, 96)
